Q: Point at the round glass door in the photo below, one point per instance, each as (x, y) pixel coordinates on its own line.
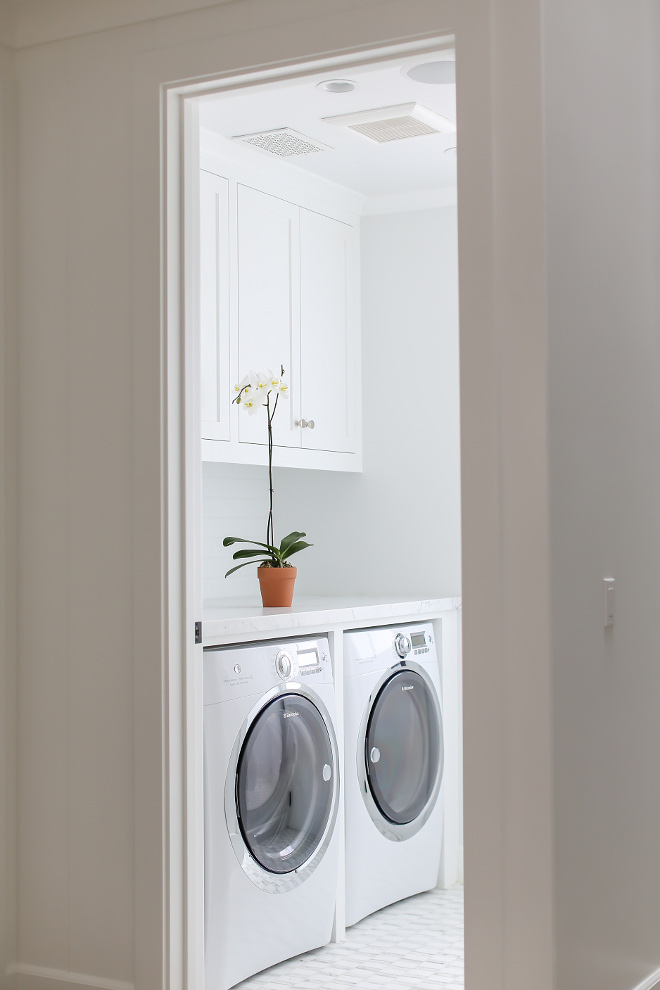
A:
(285, 783)
(403, 747)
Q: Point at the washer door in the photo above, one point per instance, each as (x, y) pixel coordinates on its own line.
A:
(285, 784)
(404, 751)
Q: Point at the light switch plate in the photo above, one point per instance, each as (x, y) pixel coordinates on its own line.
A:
(608, 601)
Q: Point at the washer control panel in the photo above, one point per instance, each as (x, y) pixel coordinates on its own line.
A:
(249, 669)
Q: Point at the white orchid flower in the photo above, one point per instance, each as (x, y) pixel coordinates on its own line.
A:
(246, 387)
(277, 385)
(261, 384)
(254, 388)
(250, 402)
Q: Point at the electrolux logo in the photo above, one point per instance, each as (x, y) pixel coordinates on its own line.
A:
(408, 687)
(290, 714)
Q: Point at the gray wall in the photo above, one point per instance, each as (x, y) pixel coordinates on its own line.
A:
(603, 184)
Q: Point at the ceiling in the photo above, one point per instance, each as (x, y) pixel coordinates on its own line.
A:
(354, 161)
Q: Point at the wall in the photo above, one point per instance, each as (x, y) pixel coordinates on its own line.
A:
(76, 407)
(8, 507)
(234, 503)
(603, 193)
(393, 530)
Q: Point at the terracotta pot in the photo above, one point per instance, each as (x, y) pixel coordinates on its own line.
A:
(277, 586)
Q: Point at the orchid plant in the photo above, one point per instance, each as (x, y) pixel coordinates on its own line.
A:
(255, 391)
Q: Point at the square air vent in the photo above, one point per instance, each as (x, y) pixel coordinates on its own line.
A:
(284, 142)
(394, 123)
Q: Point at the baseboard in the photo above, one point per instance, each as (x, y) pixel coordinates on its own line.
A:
(22, 976)
(650, 983)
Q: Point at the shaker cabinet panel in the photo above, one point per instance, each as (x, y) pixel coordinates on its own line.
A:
(279, 286)
(328, 334)
(269, 305)
(214, 286)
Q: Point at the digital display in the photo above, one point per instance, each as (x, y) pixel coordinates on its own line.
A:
(417, 640)
(308, 658)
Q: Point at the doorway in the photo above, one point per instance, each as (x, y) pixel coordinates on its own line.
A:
(292, 481)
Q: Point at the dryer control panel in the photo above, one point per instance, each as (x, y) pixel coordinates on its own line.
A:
(254, 668)
(377, 649)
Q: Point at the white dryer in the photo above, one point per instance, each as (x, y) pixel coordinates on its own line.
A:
(271, 787)
(393, 766)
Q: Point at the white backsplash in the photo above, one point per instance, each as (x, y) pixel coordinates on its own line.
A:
(234, 503)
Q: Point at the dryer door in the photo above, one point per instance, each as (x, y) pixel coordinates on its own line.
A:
(403, 750)
(286, 784)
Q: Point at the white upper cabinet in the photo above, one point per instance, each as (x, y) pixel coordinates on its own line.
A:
(279, 284)
(269, 305)
(328, 335)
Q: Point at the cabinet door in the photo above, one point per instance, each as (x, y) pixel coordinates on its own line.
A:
(269, 306)
(329, 332)
(215, 383)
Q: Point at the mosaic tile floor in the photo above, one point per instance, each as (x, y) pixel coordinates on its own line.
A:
(415, 943)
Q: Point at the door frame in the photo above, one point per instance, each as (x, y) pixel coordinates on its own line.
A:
(181, 181)
(507, 698)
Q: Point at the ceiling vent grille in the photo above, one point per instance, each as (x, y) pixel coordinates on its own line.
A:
(394, 123)
(283, 142)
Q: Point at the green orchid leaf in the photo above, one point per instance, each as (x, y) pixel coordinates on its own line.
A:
(247, 553)
(289, 540)
(294, 548)
(238, 567)
(229, 540)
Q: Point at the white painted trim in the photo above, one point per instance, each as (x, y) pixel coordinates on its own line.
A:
(650, 982)
(445, 629)
(336, 643)
(65, 977)
(414, 199)
(183, 714)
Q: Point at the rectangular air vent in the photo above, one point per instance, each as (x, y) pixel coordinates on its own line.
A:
(394, 123)
(283, 142)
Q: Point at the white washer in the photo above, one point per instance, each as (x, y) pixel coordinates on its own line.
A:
(393, 766)
(271, 786)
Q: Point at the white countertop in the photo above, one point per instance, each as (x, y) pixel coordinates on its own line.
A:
(235, 620)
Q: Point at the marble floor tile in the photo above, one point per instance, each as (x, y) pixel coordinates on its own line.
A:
(413, 945)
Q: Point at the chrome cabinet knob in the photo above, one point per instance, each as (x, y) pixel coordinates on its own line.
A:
(310, 423)
(305, 423)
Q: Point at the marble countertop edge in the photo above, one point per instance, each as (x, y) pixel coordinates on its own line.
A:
(228, 620)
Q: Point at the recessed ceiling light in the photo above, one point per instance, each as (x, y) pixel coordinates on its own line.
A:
(450, 152)
(440, 73)
(337, 85)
